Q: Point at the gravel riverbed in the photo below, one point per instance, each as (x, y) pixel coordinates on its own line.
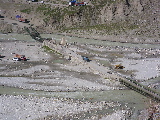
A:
(50, 72)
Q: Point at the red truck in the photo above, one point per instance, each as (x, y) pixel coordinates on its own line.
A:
(80, 3)
(75, 3)
(20, 57)
(22, 20)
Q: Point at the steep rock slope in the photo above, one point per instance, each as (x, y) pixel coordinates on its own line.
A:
(127, 18)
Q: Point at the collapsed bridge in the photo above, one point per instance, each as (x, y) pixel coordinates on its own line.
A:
(146, 91)
(34, 34)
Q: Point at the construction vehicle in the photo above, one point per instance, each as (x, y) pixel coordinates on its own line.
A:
(80, 3)
(75, 3)
(86, 59)
(20, 57)
(119, 66)
(22, 20)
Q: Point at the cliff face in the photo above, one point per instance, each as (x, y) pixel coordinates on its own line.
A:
(100, 17)
(104, 12)
(127, 17)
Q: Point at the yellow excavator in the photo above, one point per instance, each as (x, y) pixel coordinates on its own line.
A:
(119, 66)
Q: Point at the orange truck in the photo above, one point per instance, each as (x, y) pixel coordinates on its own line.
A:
(21, 57)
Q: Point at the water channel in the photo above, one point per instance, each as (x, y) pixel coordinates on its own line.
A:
(76, 39)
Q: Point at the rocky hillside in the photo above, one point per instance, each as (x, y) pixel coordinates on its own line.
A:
(102, 18)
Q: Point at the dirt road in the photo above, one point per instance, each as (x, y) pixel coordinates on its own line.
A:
(14, 22)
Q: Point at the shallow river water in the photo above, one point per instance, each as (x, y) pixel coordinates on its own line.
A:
(98, 42)
(76, 39)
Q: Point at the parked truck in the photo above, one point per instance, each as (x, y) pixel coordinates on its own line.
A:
(80, 3)
(20, 57)
(22, 20)
(75, 3)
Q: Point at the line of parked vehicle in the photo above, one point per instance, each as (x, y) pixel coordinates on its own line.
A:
(75, 3)
(18, 57)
